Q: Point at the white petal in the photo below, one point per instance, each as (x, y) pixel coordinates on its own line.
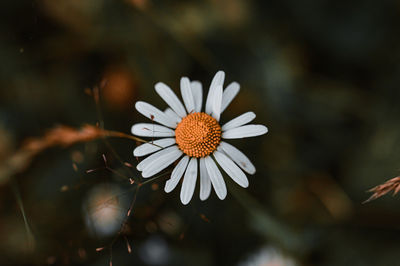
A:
(205, 182)
(231, 169)
(151, 147)
(151, 130)
(189, 181)
(187, 95)
(170, 98)
(155, 157)
(155, 114)
(218, 80)
(230, 93)
(172, 115)
(162, 162)
(215, 177)
(238, 157)
(245, 132)
(216, 111)
(197, 91)
(176, 174)
(239, 121)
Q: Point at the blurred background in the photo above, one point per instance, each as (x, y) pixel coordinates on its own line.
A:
(322, 75)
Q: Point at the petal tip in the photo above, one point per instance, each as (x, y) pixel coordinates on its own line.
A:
(251, 172)
(222, 197)
(145, 173)
(133, 129)
(158, 84)
(137, 105)
(265, 129)
(167, 188)
(185, 201)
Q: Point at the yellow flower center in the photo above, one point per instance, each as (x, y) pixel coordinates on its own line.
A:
(198, 134)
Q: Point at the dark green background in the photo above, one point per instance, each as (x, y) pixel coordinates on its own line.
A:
(322, 75)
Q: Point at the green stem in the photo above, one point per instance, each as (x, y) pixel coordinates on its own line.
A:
(265, 223)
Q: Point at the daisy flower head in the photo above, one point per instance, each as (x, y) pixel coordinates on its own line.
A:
(196, 137)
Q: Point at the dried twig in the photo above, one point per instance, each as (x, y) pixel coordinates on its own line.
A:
(383, 189)
(60, 136)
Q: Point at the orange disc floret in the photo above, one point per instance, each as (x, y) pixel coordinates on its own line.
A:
(198, 134)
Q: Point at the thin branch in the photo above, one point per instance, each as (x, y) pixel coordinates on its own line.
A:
(59, 136)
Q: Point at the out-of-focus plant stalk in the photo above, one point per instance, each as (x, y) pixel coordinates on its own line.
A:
(265, 224)
(60, 136)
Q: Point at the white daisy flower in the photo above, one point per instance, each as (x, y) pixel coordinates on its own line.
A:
(197, 136)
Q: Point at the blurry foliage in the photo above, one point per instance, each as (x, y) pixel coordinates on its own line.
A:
(322, 75)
